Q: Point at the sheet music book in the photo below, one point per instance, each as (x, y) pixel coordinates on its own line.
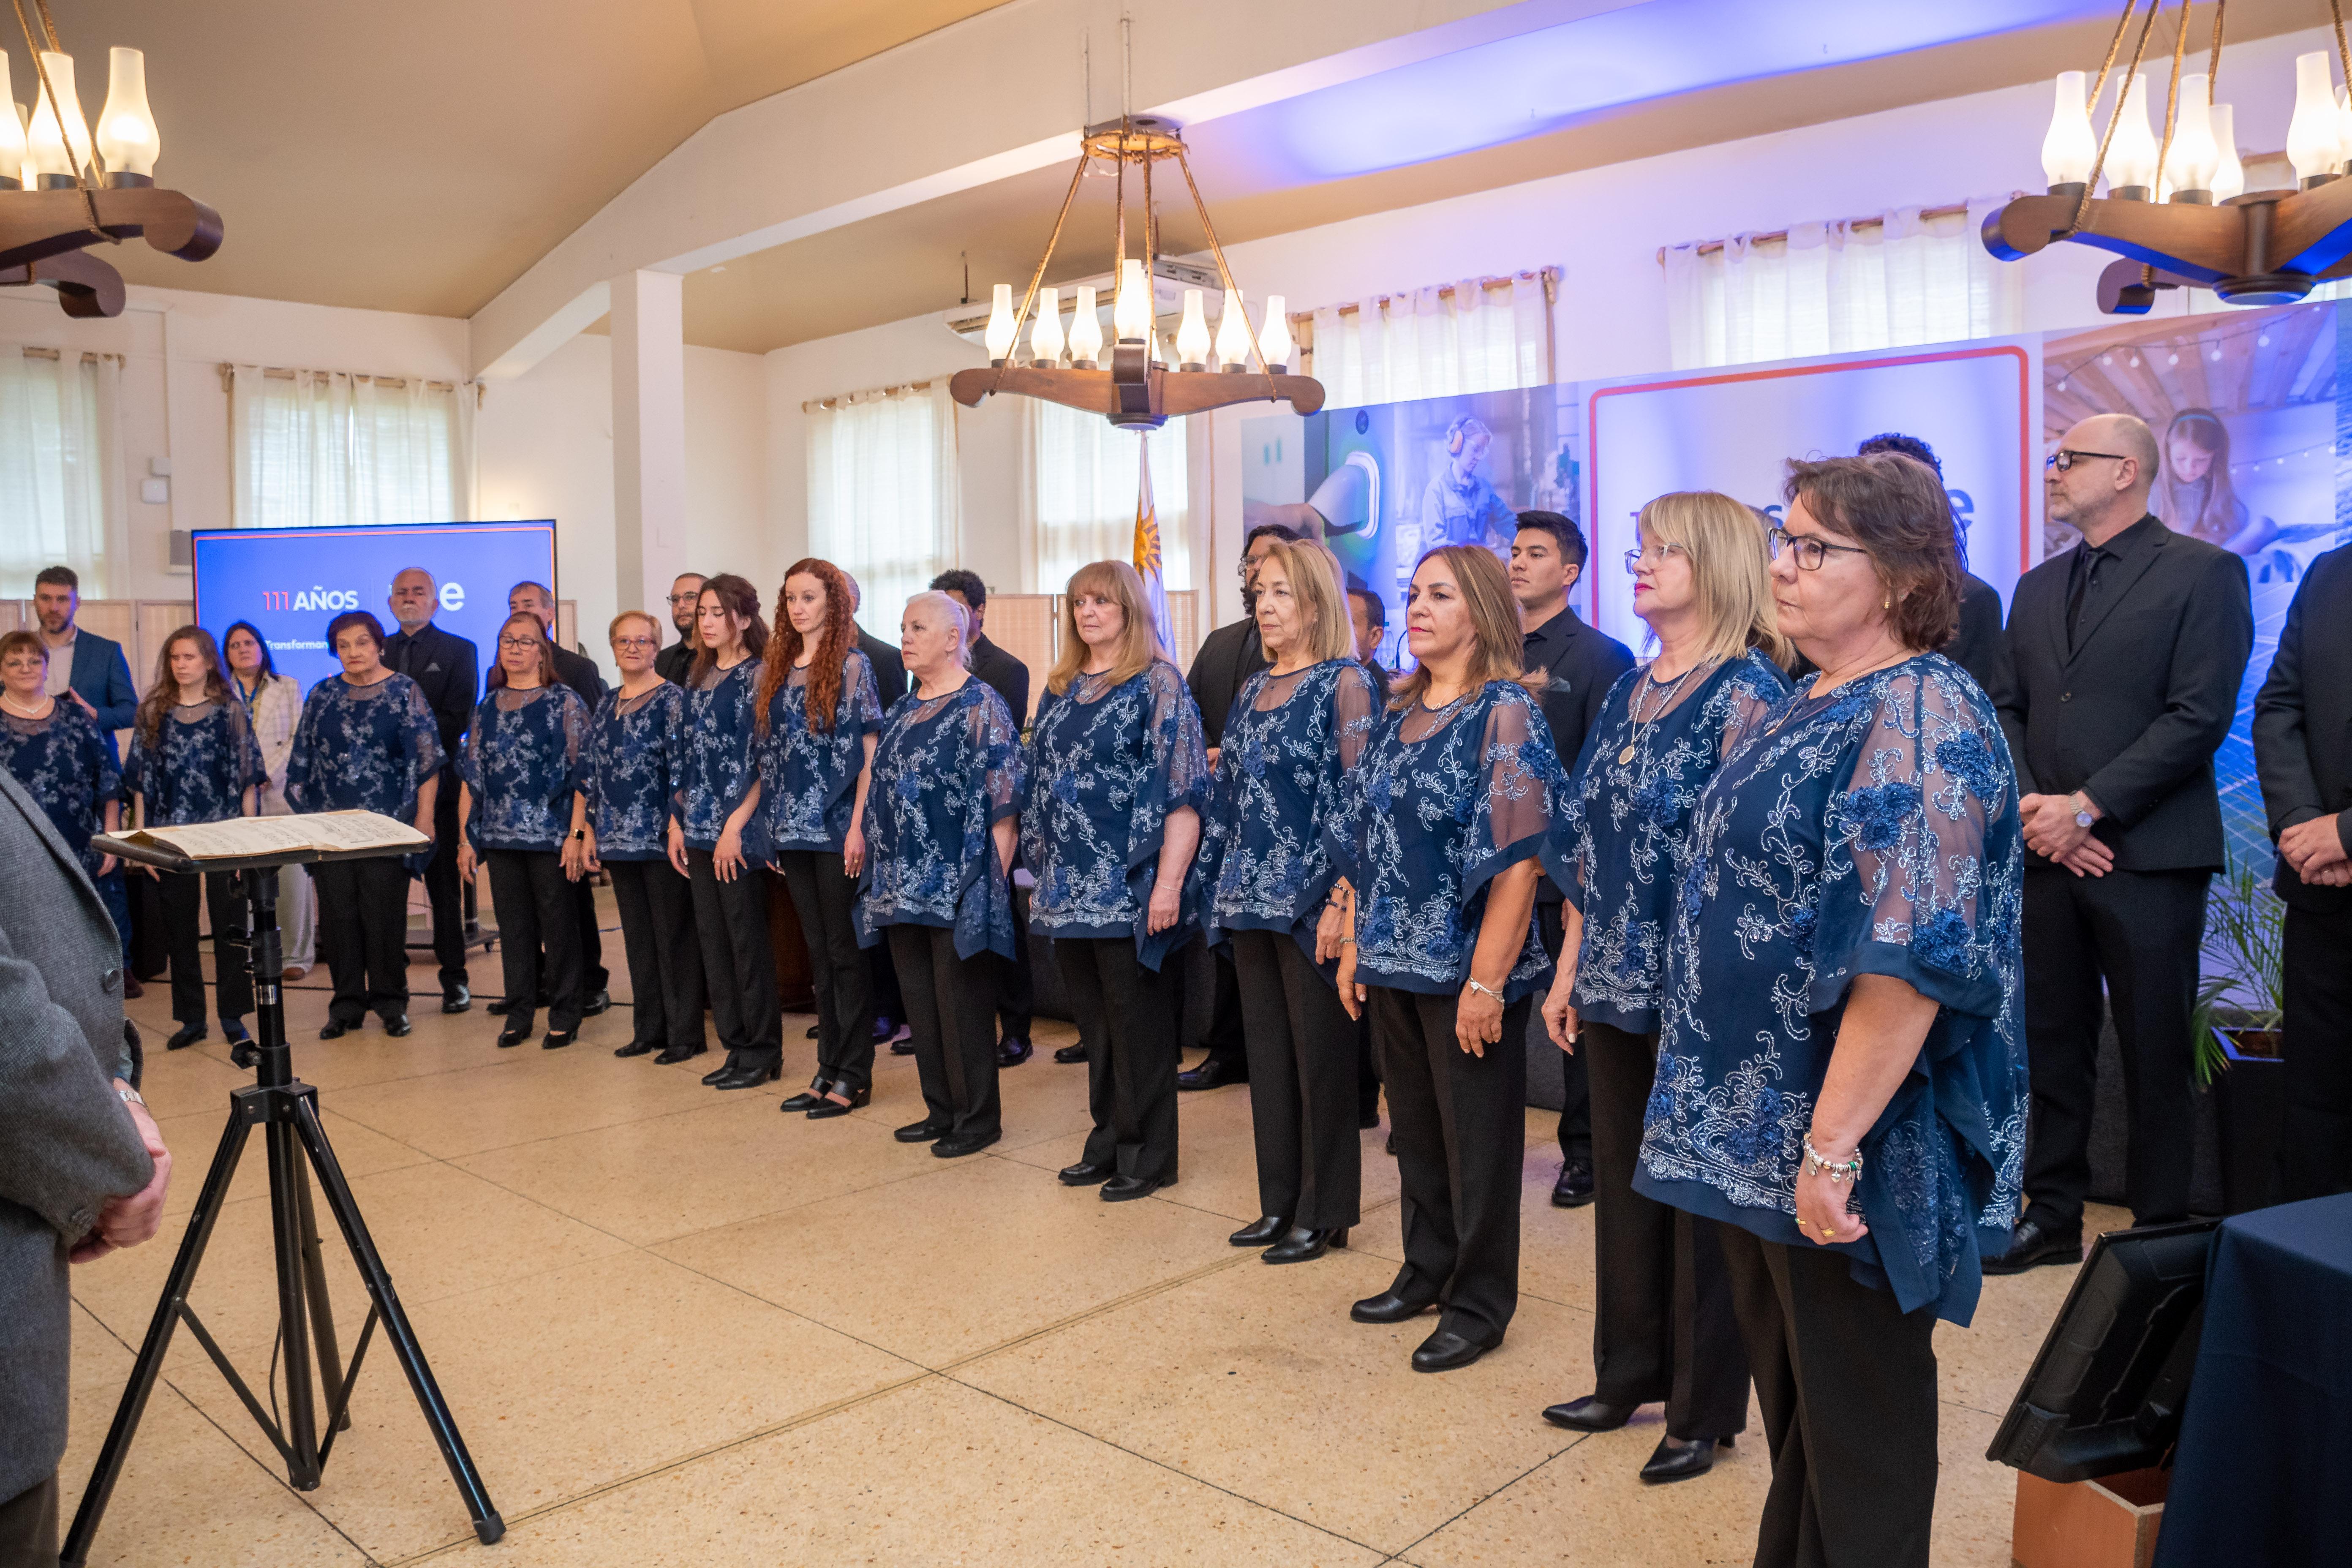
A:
(325, 833)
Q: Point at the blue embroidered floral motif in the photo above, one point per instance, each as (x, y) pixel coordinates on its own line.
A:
(1965, 756)
(636, 762)
(65, 765)
(719, 768)
(1880, 811)
(946, 771)
(196, 766)
(808, 777)
(1943, 940)
(363, 748)
(525, 759)
(1289, 742)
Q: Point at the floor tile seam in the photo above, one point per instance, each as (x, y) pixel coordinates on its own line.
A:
(913, 1176)
(1118, 1303)
(1463, 1513)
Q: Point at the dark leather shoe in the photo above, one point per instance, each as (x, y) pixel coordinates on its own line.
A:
(181, 1039)
(1589, 1414)
(510, 1039)
(1446, 1351)
(132, 989)
(330, 1030)
(807, 1098)
(398, 1025)
(1574, 1188)
(905, 1048)
(826, 1108)
(1012, 1051)
(676, 1054)
(1367, 1117)
(922, 1131)
(636, 1048)
(885, 1027)
(1071, 1056)
(1392, 1305)
(1675, 1460)
(598, 1002)
(1085, 1175)
(556, 1039)
(1264, 1231)
(1120, 1189)
(232, 1032)
(963, 1144)
(747, 1076)
(812, 1031)
(1304, 1245)
(456, 999)
(2031, 1243)
(1210, 1074)
(497, 1009)
(721, 1070)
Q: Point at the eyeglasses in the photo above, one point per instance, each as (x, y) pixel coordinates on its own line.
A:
(518, 642)
(684, 598)
(2063, 459)
(1652, 555)
(1812, 550)
(622, 645)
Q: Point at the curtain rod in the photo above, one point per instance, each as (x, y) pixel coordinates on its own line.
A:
(1550, 275)
(275, 373)
(1709, 247)
(815, 404)
(33, 350)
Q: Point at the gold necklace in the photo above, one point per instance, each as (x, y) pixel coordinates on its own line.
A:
(1642, 725)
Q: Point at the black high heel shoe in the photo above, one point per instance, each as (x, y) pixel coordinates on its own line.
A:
(827, 1108)
(747, 1077)
(1677, 1460)
(510, 1039)
(1304, 1245)
(556, 1039)
(808, 1099)
(1264, 1231)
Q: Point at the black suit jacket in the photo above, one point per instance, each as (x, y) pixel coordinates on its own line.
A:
(1979, 646)
(675, 662)
(1581, 663)
(578, 671)
(1005, 672)
(2302, 722)
(1228, 658)
(445, 667)
(889, 667)
(2133, 715)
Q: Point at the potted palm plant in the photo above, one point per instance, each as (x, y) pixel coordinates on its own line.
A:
(2240, 1002)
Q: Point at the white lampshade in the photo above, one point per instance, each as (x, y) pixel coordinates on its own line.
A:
(1233, 333)
(1273, 337)
(1131, 309)
(52, 154)
(2189, 165)
(1000, 325)
(1045, 334)
(2313, 141)
(12, 152)
(1192, 334)
(126, 138)
(1085, 329)
(2070, 148)
(2131, 153)
(2228, 174)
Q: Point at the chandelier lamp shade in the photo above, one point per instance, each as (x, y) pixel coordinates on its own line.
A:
(1140, 379)
(63, 190)
(2177, 213)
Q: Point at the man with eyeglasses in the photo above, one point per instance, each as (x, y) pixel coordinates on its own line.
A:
(2127, 653)
(446, 667)
(675, 662)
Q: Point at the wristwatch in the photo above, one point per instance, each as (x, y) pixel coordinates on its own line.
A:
(2084, 815)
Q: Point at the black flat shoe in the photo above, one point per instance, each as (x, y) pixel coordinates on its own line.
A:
(1446, 1351)
(747, 1078)
(1264, 1231)
(1574, 1188)
(812, 1031)
(510, 1039)
(398, 1025)
(1071, 1056)
(964, 1143)
(828, 1108)
(1675, 1460)
(456, 999)
(1012, 1053)
(1210, 1074)
(636, 1048)
(1085, 1175)
(1304, 1245)
(497, 1009)
(330, 1030)
(676, 1054)
(922, 1131)
(1120, 1189)
(808, 1099)
(2033, 1243)
(181, 1039)
(905, 1048)
(556, 1039)
(1391, 1306)
(598, 1002)
(1589, 1414)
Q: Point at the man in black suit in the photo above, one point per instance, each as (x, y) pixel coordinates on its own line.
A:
(578, 671)
(446, 668)
(675, 662)
(889, 664)
(2303, 749)
(1547, 557)
(1015, 993)
(1979, 646)
(2127, 650)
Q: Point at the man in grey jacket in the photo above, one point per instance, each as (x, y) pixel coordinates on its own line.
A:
(82, 1169)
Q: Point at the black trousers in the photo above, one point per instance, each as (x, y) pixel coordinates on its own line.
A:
(1129, 1016)
(1016, 989)
(363, 925)
(665, 956)
(233, 979)
(28, 1526)
(1666, 1329)
(1302, 1058)
(1847, 1385)
(443, 891)
(2138, 932)
(594, 975)
(823, 896)
(952, 1003)
(1576, 1110)
(535, 913)
(1228, 1036)
(1460, 1123)
(731, 921)
(2316, 1153)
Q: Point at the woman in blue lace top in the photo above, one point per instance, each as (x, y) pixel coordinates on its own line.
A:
(819, 713)
(1436, 932)
(635, 752)
(367, 741)
(57, 751)
(1295, 730)
(1119, 779)
(1841, 1078)
(940, 822)
(716, 840)
(193, 759)
(1664, 1330)
(523, 770)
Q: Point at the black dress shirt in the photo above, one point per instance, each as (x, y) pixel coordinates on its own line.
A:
(445, 667)
(889, 667)
(1005, 672)
(579, 672)
(1228, 658)
(675, 662)
(1582, 663)
(2092, 573)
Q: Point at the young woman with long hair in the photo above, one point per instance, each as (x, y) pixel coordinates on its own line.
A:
(273, 703)
(819, 712)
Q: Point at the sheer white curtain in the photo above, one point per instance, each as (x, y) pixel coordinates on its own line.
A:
(1839, 287)
(323, 449)
(1083, 476)
(885, 503)
(61, 488)
(1479, 335)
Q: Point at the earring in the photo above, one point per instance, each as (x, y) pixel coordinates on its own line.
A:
(1886, 604)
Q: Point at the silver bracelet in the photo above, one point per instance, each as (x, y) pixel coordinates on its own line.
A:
(1485, 990)
(1839, 1171)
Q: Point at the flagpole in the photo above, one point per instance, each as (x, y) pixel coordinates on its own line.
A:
(1146, 548)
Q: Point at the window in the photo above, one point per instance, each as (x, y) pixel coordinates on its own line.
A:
(1483, 334)
(1910, 276)
(59, 481)
(313, 449)
(1086, 474)
(883, 501)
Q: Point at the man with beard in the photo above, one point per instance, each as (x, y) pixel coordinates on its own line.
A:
(675, 662)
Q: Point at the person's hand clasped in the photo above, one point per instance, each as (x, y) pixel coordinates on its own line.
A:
(1167, 902)
(1821, 1210)
(1477, 1019)
(580, 857)
(127, 1221)
(2315, 848)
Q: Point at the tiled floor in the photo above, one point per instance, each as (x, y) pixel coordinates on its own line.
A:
(679, 1328)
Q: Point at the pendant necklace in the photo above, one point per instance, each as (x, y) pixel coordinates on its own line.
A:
(1642, 725)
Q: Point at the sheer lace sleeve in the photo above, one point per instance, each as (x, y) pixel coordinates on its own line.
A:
(1517, 774)
(1179, 757)
(303, 756)
(1355, 707)
(425, 738)
(573, 721)
(252, 769)
(1754, 690)
(995, 743)
(104, 771)
(469, 755)
(861, 695)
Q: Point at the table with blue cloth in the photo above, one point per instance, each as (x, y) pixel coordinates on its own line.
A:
(2264, 1471)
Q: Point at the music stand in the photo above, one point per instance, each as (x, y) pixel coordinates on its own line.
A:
(287, 1110)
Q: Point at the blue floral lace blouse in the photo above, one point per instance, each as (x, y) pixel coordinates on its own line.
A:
(1107, 766)
(363, 748)
(635, 756)
(198, 765)
(1445, 800)
(65, 763)
(718, 761)
(1871, 830)
(526, 757)
(1619, 839)
(1281, 787)
(945, 772)
(808, 777)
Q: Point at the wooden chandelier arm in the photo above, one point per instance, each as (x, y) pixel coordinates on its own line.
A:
(35, 224)
(2207, 244)
(1172, 393)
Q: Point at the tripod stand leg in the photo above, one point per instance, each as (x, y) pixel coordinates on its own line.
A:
(487, 1526)
(150, 1365)
(285, 1177)
(322, 1312)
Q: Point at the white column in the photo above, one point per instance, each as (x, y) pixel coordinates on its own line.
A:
(648, 441)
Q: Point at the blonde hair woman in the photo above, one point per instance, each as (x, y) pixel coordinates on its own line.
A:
(1619, 850)
(1450, 804)
(1120, 778)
